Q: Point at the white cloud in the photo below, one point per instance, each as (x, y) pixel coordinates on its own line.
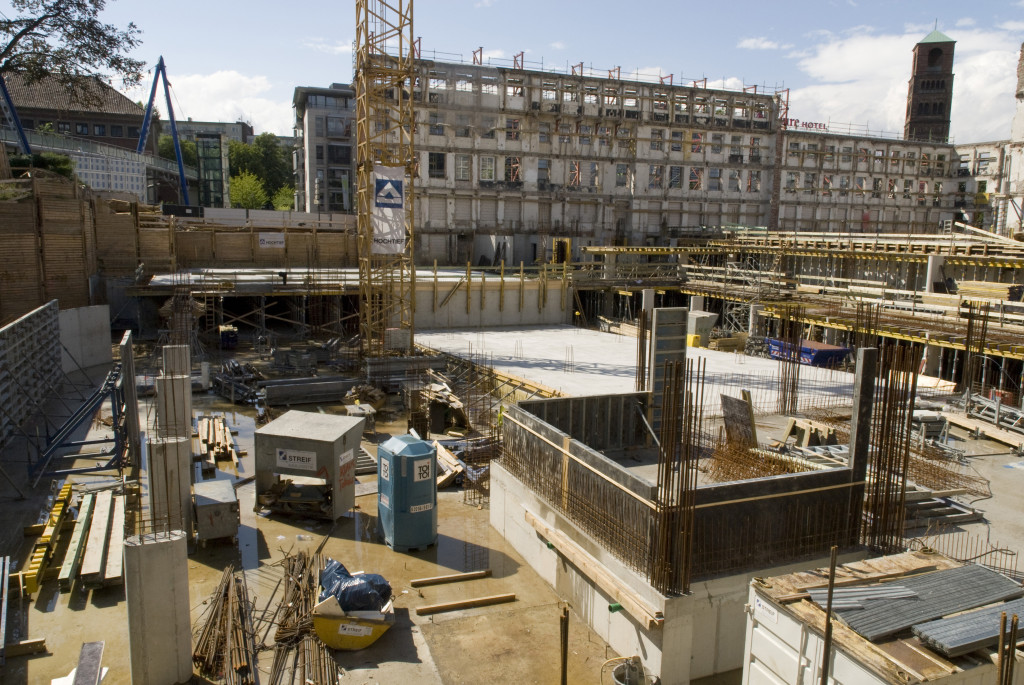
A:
(558, 45)
(494, 54)
(966, 22)
(760, 43)
(731, 83)
(863, 80)
(226, 96)
(485, 3)
(644, 73)
(1013, 25)
(321, 45)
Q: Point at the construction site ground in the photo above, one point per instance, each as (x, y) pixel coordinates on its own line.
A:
(515, 642)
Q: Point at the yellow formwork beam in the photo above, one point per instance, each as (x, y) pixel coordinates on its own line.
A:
(32, 576)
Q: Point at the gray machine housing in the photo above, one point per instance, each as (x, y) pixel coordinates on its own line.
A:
(311, 445)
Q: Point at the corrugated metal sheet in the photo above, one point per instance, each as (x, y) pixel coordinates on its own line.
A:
(939, 594)
(855, 597)
(962, 634)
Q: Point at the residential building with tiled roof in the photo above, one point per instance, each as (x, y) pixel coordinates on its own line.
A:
(95, 111)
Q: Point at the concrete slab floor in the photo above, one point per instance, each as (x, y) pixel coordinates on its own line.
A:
(516, 642)
(579, 361)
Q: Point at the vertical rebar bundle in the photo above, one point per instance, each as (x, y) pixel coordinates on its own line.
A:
(890, 454)
(790, 329)
(679, 454)
(641, 354)
(974, 345)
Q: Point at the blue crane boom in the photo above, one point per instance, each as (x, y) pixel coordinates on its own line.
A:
(161, 70)
(14, 116)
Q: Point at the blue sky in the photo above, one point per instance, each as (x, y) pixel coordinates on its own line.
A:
(844, 61)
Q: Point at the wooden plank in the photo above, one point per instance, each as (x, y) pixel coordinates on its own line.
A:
(115, 549)
(96, 548)
(634, 605)
(73, 557)
(90, 664)
(25, 647)
(465, 604)
(453, 578)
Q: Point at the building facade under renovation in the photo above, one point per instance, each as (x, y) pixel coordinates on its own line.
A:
(515, 156)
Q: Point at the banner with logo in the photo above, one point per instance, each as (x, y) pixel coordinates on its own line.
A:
(388, 218)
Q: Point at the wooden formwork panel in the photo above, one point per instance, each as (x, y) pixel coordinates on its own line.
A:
(116, 241)
(20, 278)
(193, 248)
(60, 215)
(52, 187)
(234, 248)
(335, 250)
(18, 217)
(269, 256)
(89, 235)
(299, 248)
(155, 249)
(65, 278)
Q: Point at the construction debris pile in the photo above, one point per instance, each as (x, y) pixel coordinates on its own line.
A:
(224, 644)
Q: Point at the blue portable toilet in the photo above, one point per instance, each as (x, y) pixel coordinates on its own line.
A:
(407, 493)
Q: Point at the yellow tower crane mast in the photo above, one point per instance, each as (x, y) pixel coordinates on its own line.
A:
(385, 173)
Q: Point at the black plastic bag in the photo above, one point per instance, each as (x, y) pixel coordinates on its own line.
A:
(365, 592)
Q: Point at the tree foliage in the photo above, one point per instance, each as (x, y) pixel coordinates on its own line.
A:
(189, 152)
(52, 161)
(284, 199)
(247, 191)
(265, 158)
(66, 40)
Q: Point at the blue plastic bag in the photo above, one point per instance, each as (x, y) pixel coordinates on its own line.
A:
(365, 592)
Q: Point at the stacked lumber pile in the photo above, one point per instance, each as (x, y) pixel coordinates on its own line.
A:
(21, 273)
(117, 245)
(985, 289)
(215, 442)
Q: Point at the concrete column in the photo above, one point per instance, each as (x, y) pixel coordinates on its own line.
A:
(204, 375)
(754, 326)
(648, 303)
(696, 303)
(159, 624)
(177, 361)
(930, 361)
(934, 272)
(860, 434)
(174, 406)
(170, 479)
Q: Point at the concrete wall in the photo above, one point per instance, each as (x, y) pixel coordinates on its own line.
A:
(543, 302)
(605, 422)
(85, 334)
(701, 633)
